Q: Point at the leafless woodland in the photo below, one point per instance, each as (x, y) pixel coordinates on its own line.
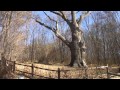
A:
(74, 40)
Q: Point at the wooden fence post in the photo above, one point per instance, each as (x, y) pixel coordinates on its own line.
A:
(108, 76)
(32, 70)
(13, 66)
(86, 75)
(118, 68)
(58, 73)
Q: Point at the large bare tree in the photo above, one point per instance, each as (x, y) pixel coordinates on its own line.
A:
(77, 45)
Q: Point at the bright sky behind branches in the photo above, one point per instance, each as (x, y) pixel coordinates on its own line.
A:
(49, 34)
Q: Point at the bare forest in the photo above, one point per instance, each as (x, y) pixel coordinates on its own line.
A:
(73, 44)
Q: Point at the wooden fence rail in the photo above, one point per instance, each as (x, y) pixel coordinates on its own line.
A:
(111, 73)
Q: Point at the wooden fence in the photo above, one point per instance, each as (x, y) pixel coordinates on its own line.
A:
(12, 67)
(14, 63)
(33, 67)
(58, 71)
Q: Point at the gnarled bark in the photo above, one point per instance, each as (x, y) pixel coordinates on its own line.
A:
(77, 48)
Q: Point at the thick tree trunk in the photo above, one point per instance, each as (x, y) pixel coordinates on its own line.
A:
(77, 55)
(77, 48)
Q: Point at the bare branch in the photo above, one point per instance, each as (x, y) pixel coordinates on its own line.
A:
(65, 18)
(51, 28)
(56, 13)
(57, 25)
(62, 15)
(83, 16)
(73, 17)
(49, 17)
(56, 31)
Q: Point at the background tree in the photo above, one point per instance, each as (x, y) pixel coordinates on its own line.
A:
(102, 38)
(12, 33)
